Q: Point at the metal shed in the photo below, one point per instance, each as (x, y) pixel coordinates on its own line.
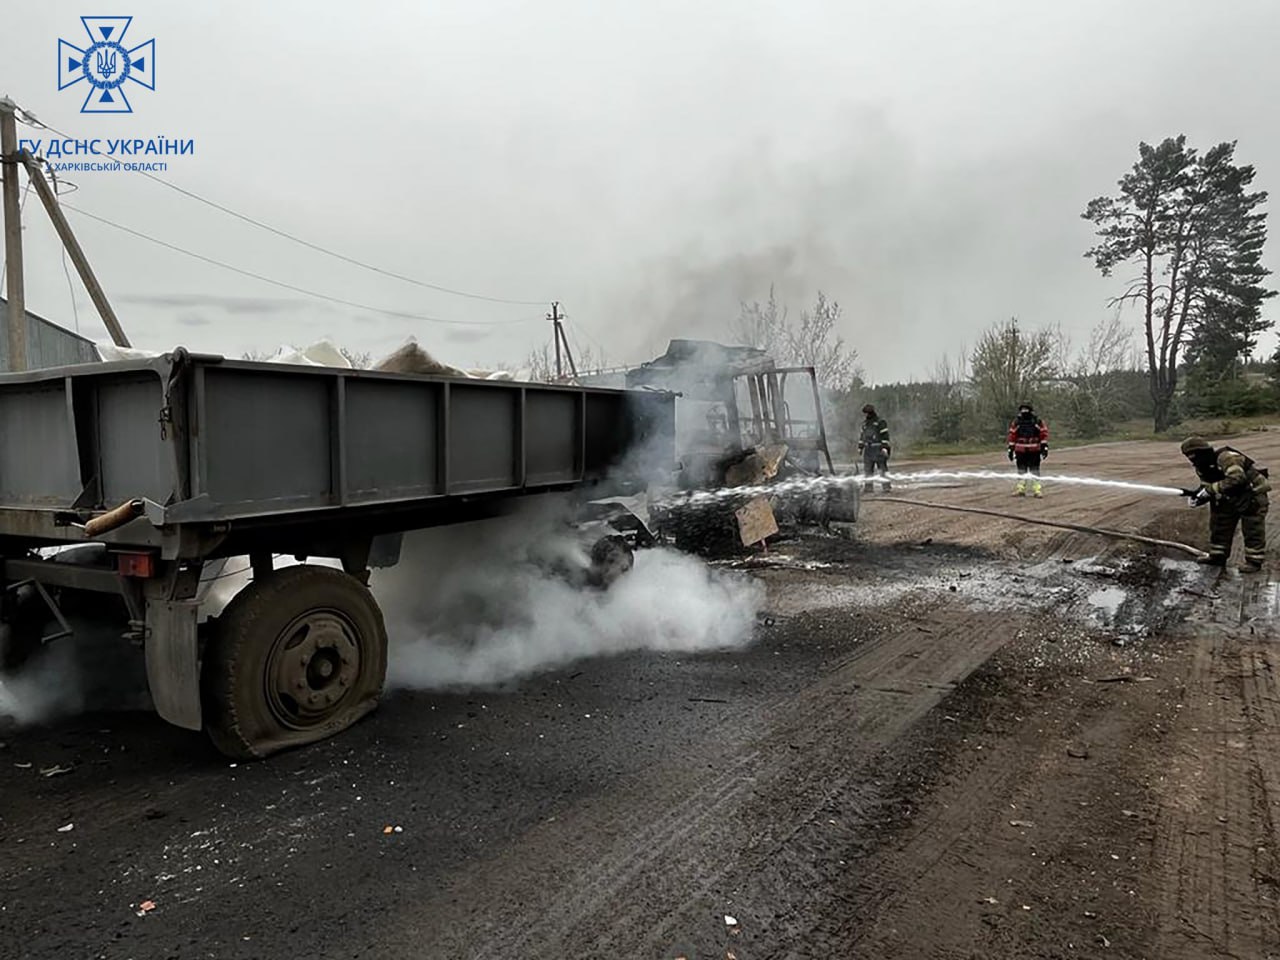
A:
(48, 345)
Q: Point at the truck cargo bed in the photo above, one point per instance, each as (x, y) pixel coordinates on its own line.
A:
(202, 440)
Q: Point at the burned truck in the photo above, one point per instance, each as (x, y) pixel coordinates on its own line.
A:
(150, 473)
(743, 423)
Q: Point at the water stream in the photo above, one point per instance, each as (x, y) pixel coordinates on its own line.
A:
(900, 480)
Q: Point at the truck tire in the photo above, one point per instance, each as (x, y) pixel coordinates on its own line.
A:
(294, 658)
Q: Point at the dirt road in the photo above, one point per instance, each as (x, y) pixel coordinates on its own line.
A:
(952, 737)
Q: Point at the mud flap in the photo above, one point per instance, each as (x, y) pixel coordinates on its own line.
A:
(385, 550)
(173, 661)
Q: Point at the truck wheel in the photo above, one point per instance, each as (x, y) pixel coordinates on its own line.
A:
(294, 658)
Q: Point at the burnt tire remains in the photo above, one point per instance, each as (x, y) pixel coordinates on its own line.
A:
(611, 558)
(294, 658)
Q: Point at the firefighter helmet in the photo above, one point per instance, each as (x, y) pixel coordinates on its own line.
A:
(1193, 445)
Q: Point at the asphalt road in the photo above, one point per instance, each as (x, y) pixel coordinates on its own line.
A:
(850, 783)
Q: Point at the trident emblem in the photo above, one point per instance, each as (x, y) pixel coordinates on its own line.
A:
(106, 64)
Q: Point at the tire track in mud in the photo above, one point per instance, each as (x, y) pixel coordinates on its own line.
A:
(673, 857)
(1217, 846)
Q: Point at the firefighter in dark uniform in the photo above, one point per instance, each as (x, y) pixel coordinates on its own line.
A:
(1236, 490)
(873, 444)
(1028, 445)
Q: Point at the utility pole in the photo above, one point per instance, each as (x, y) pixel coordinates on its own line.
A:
(13, 235)
(562, 342)
(554, 317)
(99, 296)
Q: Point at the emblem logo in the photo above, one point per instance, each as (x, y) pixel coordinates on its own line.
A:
(107, 63)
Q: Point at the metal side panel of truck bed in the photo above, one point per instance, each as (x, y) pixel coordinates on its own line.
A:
(160, 465)
(203, 440)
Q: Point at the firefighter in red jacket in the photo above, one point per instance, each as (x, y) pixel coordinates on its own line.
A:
(1028, 445)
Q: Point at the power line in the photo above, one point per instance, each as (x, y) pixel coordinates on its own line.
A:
(31, 120)
(333, 253)
(66, 272)
(22, 205)
(280, 283)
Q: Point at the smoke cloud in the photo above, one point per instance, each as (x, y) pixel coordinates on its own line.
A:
(482, 603)
(468, 605)
(48, 686)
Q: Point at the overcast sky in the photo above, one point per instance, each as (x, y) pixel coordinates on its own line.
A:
(650, 164)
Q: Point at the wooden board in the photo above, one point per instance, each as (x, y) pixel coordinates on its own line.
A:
(756, 521)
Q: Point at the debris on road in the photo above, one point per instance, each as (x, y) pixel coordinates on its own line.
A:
(1021, 823)
(67, 828)
(55, 771)
(145, 907)
(1123, 678)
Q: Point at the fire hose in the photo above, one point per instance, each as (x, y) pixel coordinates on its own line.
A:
(1060, 524)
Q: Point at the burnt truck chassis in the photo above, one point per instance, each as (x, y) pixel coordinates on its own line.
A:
(163, 468)
(750, 440)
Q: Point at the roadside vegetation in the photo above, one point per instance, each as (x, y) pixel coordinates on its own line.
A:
(1176, 353)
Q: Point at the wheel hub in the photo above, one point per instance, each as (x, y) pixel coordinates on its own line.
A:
(314, 662)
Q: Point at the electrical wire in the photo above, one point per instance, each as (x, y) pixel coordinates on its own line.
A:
(66, 272)
(333, 253)
(22, 205)
(289, 286)
(30, 120)
(71, 290)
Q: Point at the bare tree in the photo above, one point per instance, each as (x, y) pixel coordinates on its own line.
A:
(811, 340)
(542, 365)
(1006, 366)
(814, 342)
(359, 359)
(1095, 376)
(763, 326)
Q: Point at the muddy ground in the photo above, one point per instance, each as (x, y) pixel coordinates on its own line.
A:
(952, 737)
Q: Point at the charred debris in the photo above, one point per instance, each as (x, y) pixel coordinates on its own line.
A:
(742, 421)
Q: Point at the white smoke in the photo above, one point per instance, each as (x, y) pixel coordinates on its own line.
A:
(46, 687)
(477, 604)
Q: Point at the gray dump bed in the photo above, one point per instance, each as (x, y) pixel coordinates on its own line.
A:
(209, 443)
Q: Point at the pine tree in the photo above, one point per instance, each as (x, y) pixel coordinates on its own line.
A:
(1196, 234)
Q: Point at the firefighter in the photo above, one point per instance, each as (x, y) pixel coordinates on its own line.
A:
(873, 444)
(1236, 490)
(1028, 445)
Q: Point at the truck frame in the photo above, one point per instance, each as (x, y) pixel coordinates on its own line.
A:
(164, 467)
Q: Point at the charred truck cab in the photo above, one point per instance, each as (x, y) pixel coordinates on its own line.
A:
(742, 421)
(163, 468)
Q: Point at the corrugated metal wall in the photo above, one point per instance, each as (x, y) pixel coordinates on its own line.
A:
(48, 345)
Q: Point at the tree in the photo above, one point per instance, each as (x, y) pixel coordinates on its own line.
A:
(1006, 366)
(1097, 379)
(946, 405)
(359, 359)
(541, 363)
(814, 342)
(1195, 233)
(763, 326)
(811, 341)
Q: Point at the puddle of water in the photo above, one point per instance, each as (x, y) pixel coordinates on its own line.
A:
(1108, 600)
